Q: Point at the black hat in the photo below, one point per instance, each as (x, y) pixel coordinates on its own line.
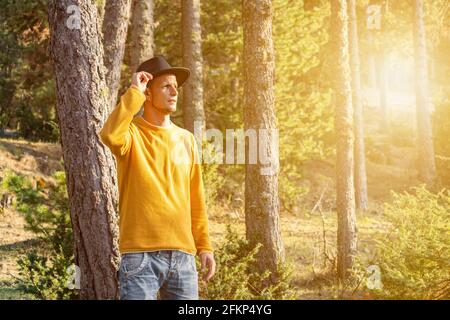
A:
(158, 66)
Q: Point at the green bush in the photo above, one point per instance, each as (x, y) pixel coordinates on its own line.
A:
(44, 272)
(46, 277)
(212, 180)
(441, 132)
(414, 259)
(237, 278)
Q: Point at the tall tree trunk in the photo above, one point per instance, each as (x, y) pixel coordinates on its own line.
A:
(345, 192)
(77, 55)
(360, 157)
(115, 26)
(371, 70)
(371, 61)
(100, 11)
(426, 157)
(261, 190)
(142, 42)
(192, 58)
(383, 85)
(142, 26)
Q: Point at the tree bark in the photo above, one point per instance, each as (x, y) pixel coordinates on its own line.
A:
(261, 190)
(82, 101)
(142, 26)
(360, 156)
(383, 85)
(115, 26)
(345, 192)
(426, 157)
(192, 58)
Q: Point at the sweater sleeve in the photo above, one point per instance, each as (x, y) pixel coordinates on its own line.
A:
(116, 130)
(199, 218)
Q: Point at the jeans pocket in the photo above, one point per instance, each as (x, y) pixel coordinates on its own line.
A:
(193, 263)
(133, 263)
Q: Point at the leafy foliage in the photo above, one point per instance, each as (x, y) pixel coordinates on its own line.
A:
(303, 105)
(441, 134)
(45, 272)
(27, 96)
(236, 277)
(415, 258)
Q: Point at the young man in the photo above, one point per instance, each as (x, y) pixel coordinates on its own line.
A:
(163, 222)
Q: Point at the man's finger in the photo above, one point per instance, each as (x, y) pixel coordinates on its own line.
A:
(209, 275)
(149, 75)
(211, 270)
(203, 263)
(144, 77)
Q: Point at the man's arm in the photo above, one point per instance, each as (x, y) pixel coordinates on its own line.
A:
(115, 132)
(199, 218)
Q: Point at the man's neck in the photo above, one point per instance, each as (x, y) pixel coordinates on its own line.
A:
(156, 118)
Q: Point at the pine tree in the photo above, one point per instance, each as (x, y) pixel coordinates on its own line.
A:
(115, 26)
(142, 27)
(345, 192)
(426, 157)
(360, 157)
(82, 100)
(192, 58)
(261, 190)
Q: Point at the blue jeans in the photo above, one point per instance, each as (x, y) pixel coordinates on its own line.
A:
(172, 273)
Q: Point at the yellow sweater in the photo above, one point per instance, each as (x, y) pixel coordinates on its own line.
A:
(161, 195)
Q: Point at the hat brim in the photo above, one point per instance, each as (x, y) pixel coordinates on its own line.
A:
(182, 74)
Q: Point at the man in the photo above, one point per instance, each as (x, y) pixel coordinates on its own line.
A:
(163, 222)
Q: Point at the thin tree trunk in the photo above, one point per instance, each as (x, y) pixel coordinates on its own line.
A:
(345, 192)
(100, 11)
(90, 168)
(115, 26)
(426, 157)
(142, 26)
(371, 65)
(383, 85)
(142, 42)
(192, 58)
(261, 190)
(360, 157)
(371, 62)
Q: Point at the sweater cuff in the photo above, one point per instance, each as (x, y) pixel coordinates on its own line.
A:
(136, 90)
(205, 250)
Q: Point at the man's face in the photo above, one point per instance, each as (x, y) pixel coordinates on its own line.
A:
(163, 93)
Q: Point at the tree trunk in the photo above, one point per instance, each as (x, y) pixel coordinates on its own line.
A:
(360, 157)
(115, 26)
(82, 102)
(192, 58)
(345, 192)
(261, 190)
(426, 158)
(383, 85)
(100, 11)
(141, 46)
(371, 70)
(142, 26)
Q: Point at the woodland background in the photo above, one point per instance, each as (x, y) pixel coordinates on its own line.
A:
(401, 213)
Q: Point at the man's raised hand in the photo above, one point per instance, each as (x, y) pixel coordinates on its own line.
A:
(140, 80)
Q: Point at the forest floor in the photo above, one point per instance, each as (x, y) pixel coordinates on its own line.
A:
(306, 231)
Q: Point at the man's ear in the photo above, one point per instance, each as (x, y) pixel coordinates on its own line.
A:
(148, 94)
